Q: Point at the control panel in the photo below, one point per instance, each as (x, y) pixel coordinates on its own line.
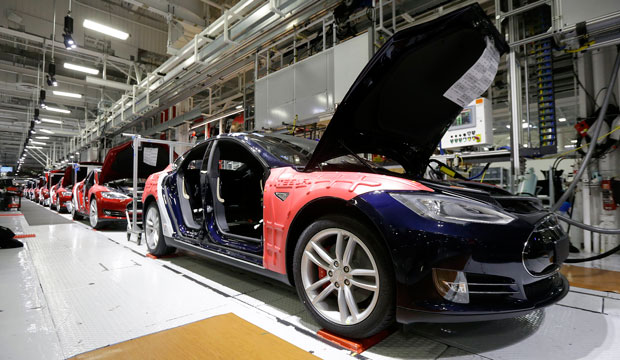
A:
(472, 127)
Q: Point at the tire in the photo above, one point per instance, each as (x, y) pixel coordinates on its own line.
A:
(338, 293)
(153, 233)
(95, 223)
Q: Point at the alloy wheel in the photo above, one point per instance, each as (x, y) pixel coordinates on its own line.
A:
(340, 276)
(93, 213)
(152, 228)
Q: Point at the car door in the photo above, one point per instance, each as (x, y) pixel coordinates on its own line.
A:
(218, 232)
(183, 190)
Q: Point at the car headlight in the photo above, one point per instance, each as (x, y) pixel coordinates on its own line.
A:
(114, 195)
(449, 209)
(66, 193)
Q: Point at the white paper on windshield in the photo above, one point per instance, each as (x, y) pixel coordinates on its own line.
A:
(149, 156)
(477, 79)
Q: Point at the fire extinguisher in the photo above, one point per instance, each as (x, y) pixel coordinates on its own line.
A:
(608, 196)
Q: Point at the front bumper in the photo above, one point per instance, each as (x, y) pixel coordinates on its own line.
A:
(442, 311)
(510, 269)
(114, 210)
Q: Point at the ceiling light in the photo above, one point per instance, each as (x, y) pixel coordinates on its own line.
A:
(80, 68)
(42, 137)
(69, 42)
(216, 118)
(25, 150)
(239, 107)
(573, 141)
(67, 94)
(562, 119)
(64, 111)
(46, 131)
(52, 121)
(89, 24)
(33, 147)
(569, 146)
(507, 126)
(37, 142)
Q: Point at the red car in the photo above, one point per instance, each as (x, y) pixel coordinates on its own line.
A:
(54, 198)
(37, 189)
(53, 177)
(104, 194)
(62, 195)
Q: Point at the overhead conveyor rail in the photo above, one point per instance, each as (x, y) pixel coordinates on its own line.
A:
(224, 47)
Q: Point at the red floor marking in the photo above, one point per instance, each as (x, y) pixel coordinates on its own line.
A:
(149, 255)
(355, 345)
(11, 214)
(21, 236)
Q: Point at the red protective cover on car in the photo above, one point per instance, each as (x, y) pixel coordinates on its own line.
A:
(303, 187)
(150, 187)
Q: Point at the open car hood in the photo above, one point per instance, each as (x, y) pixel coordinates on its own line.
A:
(118, 163)
(412, 89)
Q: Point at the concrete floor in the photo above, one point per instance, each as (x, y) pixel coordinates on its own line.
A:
(72, 289)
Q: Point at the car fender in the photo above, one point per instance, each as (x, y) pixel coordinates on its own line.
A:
(287, 191)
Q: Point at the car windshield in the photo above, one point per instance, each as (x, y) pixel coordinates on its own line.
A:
(290, 149)
(297, 151)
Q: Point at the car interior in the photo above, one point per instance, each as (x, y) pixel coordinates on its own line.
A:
(188, 184)
(237, 180)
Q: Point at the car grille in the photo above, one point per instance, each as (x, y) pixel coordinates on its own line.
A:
(490, 284)
(539, 252)
(541, 288)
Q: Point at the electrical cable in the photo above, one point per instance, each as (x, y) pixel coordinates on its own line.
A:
(582, 146)
(582, 48)
(588, 227)
(482, 172)
(583, 87)
(597, 129)
(596, 257)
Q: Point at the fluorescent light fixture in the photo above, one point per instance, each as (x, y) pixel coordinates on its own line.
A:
(128, 134)
(67, 94)
(71, 156)
(64, 111)
(80, 68)
(189, 61)
(46, 131)
(89, 24)
(33, 147)
(42, 137)
(77, 153)
(108, 83)
(216, 118)
(25, 150)
(507, 126)
(52, 121)
(569, 146)
(562, 119)
(239, 107)
(37, 142)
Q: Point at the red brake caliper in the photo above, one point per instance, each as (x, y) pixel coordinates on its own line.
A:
(322, 272)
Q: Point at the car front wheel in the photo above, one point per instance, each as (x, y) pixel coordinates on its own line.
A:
(153, 232)
(344, 278)
(94, 215)
(74, 213)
